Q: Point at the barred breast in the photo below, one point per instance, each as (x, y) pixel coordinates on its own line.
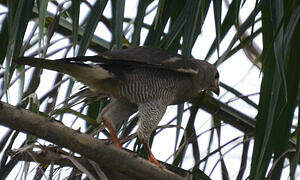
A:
(152, 84)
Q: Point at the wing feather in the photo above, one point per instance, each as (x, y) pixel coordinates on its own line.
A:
(152, 57)
(142, 57)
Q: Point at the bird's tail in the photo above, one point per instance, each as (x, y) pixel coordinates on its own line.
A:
(55, 65)
(82, 72)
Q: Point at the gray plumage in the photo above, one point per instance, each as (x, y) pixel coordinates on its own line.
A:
(140, 79)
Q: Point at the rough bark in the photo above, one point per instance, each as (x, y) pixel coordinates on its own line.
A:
(49, 157)
(107, 156)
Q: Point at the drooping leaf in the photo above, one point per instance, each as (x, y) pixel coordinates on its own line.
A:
(156, 30)
(175, 30)
(202, 16)
(76, 113)
(178, 123)
(92, 23)
(4, 169)
(138, 22)
(229, 20)
(42, 17)
(118, 16)
(16, 34)
(4, 36)
(192, 15)
(218, 13)
(285, 109)
(75, 9)
(270, 87)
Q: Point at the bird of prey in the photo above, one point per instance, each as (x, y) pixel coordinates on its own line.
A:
(141, 79)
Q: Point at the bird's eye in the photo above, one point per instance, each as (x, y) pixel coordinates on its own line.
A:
(217, 76)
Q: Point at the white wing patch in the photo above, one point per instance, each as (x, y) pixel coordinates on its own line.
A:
(190, 71)
(171, 60)
(107, 57)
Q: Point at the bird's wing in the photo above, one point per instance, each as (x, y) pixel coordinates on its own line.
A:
(152, 57)
(142, 57)
(109, 63)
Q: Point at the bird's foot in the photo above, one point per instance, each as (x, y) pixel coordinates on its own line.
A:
(113, 134)
(117, 143)
(152, 159)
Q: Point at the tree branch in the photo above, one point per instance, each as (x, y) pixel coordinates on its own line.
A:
(107, 156)
(49, 157)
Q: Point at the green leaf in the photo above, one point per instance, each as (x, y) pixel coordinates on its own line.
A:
(175, 30)
(4, 139)
(203, 13)
(42, 17)
(118, 23)
(229, 51)
(277, 18)
(178, 123)
(21, 74)
(290, 29)
(138, 22)
(189, 131)
(94, 18)
(269, 121)
(208, 103)
(16, 34)
(270, 88)
(75, 8)
(161, 4)
(218, 13)
(192, 15)
(157, 30)
(12, 7)
(295, 160)
(253, 19)
(229, 20)
(171, 40)
(4, 36)
(94, 110)
(68, 94)
(238, 94)
(285, 111)
(75, 113)
(244, 158)
(275, 115)
(4, 168)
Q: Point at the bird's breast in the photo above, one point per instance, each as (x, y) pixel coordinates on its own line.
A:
(146, 85)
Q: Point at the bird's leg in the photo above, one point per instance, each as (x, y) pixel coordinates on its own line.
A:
(113, 133)
(113, 116)
(151, 157)
(150, 114)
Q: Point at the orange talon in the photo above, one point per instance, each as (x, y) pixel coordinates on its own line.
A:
(113, 134)
(151, 157)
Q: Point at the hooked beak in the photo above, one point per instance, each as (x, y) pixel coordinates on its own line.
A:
(216, 90)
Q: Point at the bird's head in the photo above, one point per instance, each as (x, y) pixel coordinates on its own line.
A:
(215, 86)
(213, 77)
(209, 76)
